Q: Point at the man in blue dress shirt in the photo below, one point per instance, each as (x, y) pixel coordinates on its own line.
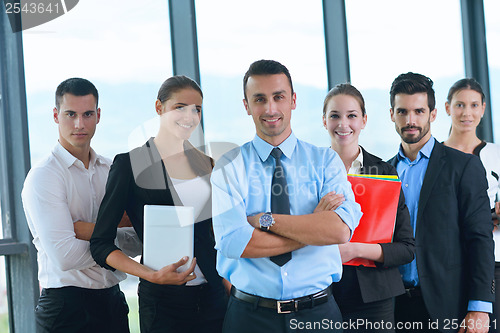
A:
(451, 277)
(267, 296)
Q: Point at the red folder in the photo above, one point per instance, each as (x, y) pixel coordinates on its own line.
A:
(378, 199)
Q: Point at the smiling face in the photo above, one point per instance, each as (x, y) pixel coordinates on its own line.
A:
(412, 117)
(344, 120)
(466, 110)
(270, 103)
(77, 118)
(181, 113)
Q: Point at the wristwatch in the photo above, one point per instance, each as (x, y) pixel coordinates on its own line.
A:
(266, 221)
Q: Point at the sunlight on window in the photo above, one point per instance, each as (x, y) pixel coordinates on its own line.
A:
(403, 37)
(491, 7)
(122, 46)
(4, 308)
(231, 39)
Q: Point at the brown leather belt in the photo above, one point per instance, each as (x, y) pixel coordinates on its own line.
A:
(288, 306)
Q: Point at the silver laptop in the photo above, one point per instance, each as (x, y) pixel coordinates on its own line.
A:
(168, 235)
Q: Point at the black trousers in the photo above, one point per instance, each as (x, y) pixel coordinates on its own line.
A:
(80, 310)
(412, 315)
(181, 309)
(243, 317)
(370, 317)
(359, 316)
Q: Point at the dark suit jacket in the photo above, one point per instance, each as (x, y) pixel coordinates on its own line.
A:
(454, 234)
(136, 179)
(384, 281)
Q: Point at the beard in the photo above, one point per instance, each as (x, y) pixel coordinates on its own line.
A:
(413, 138)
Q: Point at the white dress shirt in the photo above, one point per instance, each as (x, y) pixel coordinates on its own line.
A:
(57, 192)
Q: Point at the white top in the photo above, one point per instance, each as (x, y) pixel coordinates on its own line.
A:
(357, 164)
(57, 192)
(194, 193)
(490, 156)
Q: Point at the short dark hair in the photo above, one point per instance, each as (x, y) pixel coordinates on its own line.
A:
(467, 83)
(413, 83)
(345, 89)
(174, 84)
(265, 67)
(78, 87)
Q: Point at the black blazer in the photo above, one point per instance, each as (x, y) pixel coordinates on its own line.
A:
(383, 281)
(454, 237)
(136, 179)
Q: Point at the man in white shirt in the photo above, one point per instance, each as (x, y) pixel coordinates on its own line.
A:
(61, 198)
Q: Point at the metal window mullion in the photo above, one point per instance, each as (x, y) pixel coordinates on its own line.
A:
(21, 268)
(184, 41)
(476, 57)
(337, 52)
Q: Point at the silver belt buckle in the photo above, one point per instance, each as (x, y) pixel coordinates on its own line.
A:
(295, 308)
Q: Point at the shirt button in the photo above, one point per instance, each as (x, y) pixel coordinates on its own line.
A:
(285, 274)
(406, 185)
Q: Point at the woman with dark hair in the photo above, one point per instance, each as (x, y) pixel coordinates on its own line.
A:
(166, 170)
(366, 292)
(465, 105)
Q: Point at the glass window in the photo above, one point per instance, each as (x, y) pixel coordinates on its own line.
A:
(230, 40)
(4, 308)
(492, 41)
(1, 219)
(129, 288)
(122, 46)
(423, 37)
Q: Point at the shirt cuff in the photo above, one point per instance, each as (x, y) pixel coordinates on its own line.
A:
(480, 306)
(234, 244)
(350, 218)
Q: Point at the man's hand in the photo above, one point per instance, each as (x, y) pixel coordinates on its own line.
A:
(330, 201)
(475, 322)
(83, 230)
(169, 274)
(254, 220)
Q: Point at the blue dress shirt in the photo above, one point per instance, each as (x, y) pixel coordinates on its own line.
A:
(412, 175)
(241, 187)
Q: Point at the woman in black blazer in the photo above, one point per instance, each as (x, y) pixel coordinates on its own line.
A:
(366, 292)
(166, 170)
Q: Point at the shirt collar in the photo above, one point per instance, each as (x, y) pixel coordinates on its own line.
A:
(264, 149)
(69, 160)
(425, 151)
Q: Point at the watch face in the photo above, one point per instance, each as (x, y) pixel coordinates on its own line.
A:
(266, 220)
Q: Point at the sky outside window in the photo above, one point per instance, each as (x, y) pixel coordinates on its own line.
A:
(491, 10)
(121, 46)
(404, 36)
(229, 40)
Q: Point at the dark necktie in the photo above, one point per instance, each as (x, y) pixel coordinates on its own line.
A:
(280, 203)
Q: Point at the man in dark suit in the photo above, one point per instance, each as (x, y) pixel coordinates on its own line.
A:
(450, 283)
